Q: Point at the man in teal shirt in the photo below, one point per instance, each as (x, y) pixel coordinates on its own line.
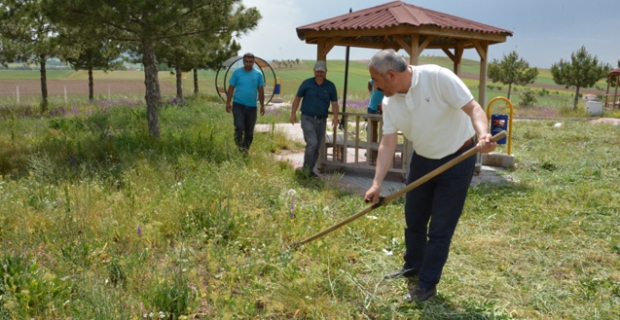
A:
(245, 85)
(376, 97)
(374, 107)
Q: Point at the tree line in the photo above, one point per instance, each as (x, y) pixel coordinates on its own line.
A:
(187, 35)
(582, 71)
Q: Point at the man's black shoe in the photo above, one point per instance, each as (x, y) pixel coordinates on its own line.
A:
(401, 273)
(419, 294)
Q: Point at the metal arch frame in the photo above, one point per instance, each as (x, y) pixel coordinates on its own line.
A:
(230, 62)
(510, 117)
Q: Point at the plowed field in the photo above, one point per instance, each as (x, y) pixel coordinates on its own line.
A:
(77, 87)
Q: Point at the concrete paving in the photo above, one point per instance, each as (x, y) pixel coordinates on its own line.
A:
(360, 180)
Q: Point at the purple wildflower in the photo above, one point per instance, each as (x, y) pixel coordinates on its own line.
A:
(291, 209)
(139, 231)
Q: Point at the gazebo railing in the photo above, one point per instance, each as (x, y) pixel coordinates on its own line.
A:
(357, 144)
(612, 102)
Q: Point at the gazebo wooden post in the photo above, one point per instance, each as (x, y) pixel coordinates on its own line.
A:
(610, 79)
(483, 48)
(458, 55)
(607, 91)
(414, 53)
(320, 50)
(616, 92)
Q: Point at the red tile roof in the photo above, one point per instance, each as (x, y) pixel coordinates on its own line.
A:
(614, 71)
(398, 13)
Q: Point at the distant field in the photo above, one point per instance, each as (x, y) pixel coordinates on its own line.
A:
(119, 82)
(34, 74)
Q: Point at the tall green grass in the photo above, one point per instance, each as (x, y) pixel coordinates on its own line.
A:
(98, 221)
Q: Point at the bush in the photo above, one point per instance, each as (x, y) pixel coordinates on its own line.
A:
(527, 98)
(579, 111)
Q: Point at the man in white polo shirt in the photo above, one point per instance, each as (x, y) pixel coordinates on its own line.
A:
(434, 109)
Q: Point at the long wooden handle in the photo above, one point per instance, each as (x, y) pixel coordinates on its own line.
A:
(409, 187)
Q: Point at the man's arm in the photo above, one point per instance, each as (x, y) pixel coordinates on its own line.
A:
(387, 146)
(481, 125)
(261, 99)
(229, 96)
(294, 109)
(335, 120)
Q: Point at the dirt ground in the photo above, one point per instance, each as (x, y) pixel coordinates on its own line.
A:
(75, 87)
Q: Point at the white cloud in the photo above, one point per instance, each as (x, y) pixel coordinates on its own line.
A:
(275, 37)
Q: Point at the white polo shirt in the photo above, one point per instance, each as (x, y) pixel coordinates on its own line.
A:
(430, 114)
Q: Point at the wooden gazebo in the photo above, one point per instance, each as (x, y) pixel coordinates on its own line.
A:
(614, 102)
(395, 25)
(399, 25)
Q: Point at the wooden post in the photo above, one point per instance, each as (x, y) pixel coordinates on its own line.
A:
(606, 105)
(482, 47)
(616, 92)
(415, 53)
(458, 55)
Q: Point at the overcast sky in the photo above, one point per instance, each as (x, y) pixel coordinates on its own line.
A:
(544, 31)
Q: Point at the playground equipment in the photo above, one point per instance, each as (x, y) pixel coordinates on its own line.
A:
(230, 65)
(500, 122)
(278, 91)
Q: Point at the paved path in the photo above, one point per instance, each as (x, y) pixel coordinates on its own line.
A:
(360, 180)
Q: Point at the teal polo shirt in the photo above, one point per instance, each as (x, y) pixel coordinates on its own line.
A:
(246, 85)
(316, 98)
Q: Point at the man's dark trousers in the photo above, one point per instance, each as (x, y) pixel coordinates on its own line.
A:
(244, 119)
(314, 130)
(441, 201)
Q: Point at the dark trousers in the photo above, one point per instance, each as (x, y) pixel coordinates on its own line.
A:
(244, 119)
(440, 201)
(314, 131)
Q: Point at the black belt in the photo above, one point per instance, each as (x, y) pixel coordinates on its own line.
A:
(315, 117)
(466, 144)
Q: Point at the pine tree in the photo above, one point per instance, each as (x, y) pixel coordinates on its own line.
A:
(582, 71)
(512, 70)
(29, 36)
(144, 24)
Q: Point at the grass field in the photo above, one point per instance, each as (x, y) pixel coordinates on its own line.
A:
(291, 77)
(98, 221)
(35, 74)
